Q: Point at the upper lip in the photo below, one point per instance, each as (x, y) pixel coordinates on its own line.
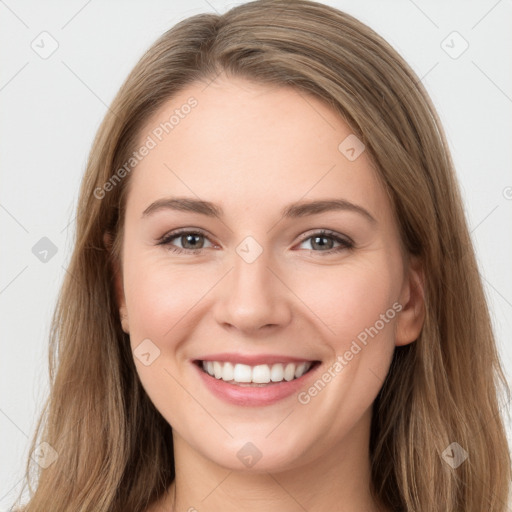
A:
(253, 359)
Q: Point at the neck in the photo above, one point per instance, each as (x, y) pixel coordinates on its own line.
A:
(338, 478)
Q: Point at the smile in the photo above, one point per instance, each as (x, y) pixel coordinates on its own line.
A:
(261, 374)
(255, 385)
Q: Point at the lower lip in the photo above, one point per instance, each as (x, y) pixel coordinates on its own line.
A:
(253, 395)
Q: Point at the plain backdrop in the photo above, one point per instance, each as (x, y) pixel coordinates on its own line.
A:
(52, 105)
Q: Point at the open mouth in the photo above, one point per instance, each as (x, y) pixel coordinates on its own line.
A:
(258, 375)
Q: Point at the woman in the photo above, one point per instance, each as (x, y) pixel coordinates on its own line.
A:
(209, 357)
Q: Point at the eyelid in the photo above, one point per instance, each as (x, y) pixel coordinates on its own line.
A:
(171, 235)
(326, 232)
(318, 232)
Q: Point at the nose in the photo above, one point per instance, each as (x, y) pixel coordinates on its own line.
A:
(253, 298)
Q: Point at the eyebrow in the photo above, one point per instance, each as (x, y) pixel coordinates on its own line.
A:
(294, 210)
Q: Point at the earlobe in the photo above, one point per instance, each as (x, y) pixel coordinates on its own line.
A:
(123, 315)
(412, 316)
(108, 240)
(121, 302)
(118, 285)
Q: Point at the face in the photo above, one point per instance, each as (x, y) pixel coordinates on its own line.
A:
(226, 258)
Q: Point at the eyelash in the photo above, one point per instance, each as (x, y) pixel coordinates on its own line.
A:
(346, 244)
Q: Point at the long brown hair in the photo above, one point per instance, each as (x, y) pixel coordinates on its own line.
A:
(114, 450)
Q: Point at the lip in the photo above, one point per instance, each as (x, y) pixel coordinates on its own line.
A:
(251, 360)
(255, 396)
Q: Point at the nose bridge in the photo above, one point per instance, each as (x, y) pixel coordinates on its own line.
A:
(253, 296)
(252, 277)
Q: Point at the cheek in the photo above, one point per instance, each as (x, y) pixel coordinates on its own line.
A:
(356, 305)
(162, 303)
(160, 298)
(343, 300)
(347, 299)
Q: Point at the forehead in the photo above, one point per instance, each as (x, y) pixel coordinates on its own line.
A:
(238, 142)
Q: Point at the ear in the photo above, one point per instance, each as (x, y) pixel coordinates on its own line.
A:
(108, 241)
(412, 298)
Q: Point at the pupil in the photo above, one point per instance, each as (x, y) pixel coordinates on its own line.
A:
(189, 238)
(317, 238)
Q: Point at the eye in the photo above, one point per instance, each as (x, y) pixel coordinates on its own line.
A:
(192, 241)
(324, 241)
(189, 241)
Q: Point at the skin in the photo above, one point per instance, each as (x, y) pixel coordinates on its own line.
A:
(252, 149)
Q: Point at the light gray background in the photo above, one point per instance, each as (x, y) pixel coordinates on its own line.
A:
(51, 109)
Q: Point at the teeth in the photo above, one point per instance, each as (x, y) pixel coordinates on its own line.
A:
(242, 373)
(277, 373)
(260, 374)
(217, 369)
